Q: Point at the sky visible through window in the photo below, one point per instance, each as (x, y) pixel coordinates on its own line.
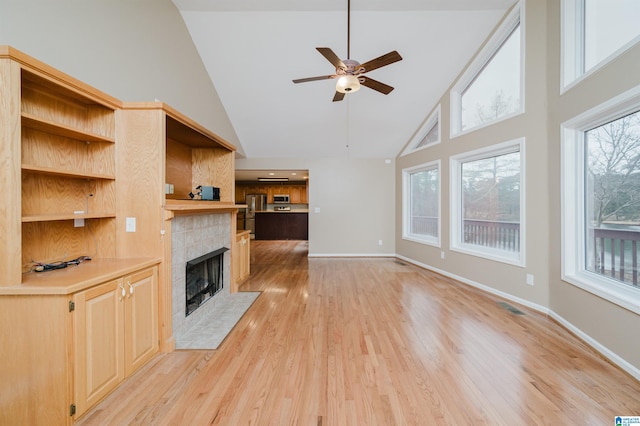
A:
(495, 92)
(609, 25)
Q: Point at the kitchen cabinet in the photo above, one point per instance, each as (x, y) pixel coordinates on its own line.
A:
(115, 332)
(282, 226)
(271, 190)
(297, 193)
(240, 194)
(242, 256)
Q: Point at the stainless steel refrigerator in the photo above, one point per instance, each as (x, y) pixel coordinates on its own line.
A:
(255, 203)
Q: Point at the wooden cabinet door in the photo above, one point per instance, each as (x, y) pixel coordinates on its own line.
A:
(98, 342)
(270, 191)
(294, 194)
(140, 319)
(245, 257)
(240, 194)
(241, 258)
(236, 259)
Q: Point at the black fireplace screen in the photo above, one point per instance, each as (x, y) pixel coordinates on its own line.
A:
(204, 278)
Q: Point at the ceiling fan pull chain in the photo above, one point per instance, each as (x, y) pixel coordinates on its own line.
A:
(348, 29)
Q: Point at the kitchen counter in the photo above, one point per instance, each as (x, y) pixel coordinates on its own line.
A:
(282, 225)
(284, 211)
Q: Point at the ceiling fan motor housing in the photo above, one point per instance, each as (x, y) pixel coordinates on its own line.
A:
(351, 67)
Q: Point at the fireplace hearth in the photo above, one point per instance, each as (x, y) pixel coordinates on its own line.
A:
(204, 278)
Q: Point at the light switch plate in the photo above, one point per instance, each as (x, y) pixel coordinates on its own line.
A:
(131, 224)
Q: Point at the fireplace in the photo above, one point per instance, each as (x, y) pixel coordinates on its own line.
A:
(204, 278)
(193, 236)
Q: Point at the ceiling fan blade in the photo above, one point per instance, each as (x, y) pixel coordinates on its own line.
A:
(375, 85)
(381, 61)
(331, 57)
(338, 97)
(322, 77)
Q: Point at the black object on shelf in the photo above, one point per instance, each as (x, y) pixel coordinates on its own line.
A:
(42, 267)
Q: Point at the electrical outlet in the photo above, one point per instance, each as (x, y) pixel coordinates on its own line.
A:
(379, 242)
(441, 255)
(529, 279)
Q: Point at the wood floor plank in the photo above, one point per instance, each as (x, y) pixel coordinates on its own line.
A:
(336, 341)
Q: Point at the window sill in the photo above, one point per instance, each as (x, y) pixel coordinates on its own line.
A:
(493, 255)
(623, 295)
(435, 242)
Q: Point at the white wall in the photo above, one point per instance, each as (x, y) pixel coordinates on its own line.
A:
(134, 50)
(356, 202)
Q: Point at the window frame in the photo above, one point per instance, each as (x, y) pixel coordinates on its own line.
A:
(456, 219)
(406, 204)
(573, 198)
(512, 20)
(423, 131)
(572, 46)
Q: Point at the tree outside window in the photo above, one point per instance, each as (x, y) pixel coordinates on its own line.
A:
(421, 211)
(612, 182)
(491, 202)
(495, 91)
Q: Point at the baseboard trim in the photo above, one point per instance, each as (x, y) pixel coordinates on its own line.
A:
(351, 255)
(603, 350)
(600, 348)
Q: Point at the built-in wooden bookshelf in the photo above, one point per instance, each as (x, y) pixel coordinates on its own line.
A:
(76, 165)
(58, 152)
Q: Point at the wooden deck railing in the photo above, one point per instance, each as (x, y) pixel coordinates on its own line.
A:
(494, 234)
(616, 253)
(615, 250)
(424, 225)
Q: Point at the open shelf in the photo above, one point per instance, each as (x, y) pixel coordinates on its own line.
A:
(48, 126)
(63, 173)
(54, 217)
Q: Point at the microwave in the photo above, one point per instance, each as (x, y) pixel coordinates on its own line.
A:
(281, 198)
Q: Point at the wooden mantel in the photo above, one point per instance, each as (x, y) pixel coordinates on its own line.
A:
(199, 206)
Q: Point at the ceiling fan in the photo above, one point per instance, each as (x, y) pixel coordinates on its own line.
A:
(350, 73)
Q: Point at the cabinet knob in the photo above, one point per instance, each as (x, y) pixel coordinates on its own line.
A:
(130, 287)
(123, 292)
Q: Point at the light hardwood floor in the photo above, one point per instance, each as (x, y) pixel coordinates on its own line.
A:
(369, 341)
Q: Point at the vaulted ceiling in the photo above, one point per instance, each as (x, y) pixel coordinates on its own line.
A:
(253, 49)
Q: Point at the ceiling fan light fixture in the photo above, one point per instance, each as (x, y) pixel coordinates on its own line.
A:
(348, 84)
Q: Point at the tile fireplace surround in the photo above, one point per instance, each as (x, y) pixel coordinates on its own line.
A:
(194, 236)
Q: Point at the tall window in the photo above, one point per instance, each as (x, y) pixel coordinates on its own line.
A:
(427, 135)
(601, 210)
(487, 203)
(612, 182)
(491, 88)
(421, 189)
(596, 31)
